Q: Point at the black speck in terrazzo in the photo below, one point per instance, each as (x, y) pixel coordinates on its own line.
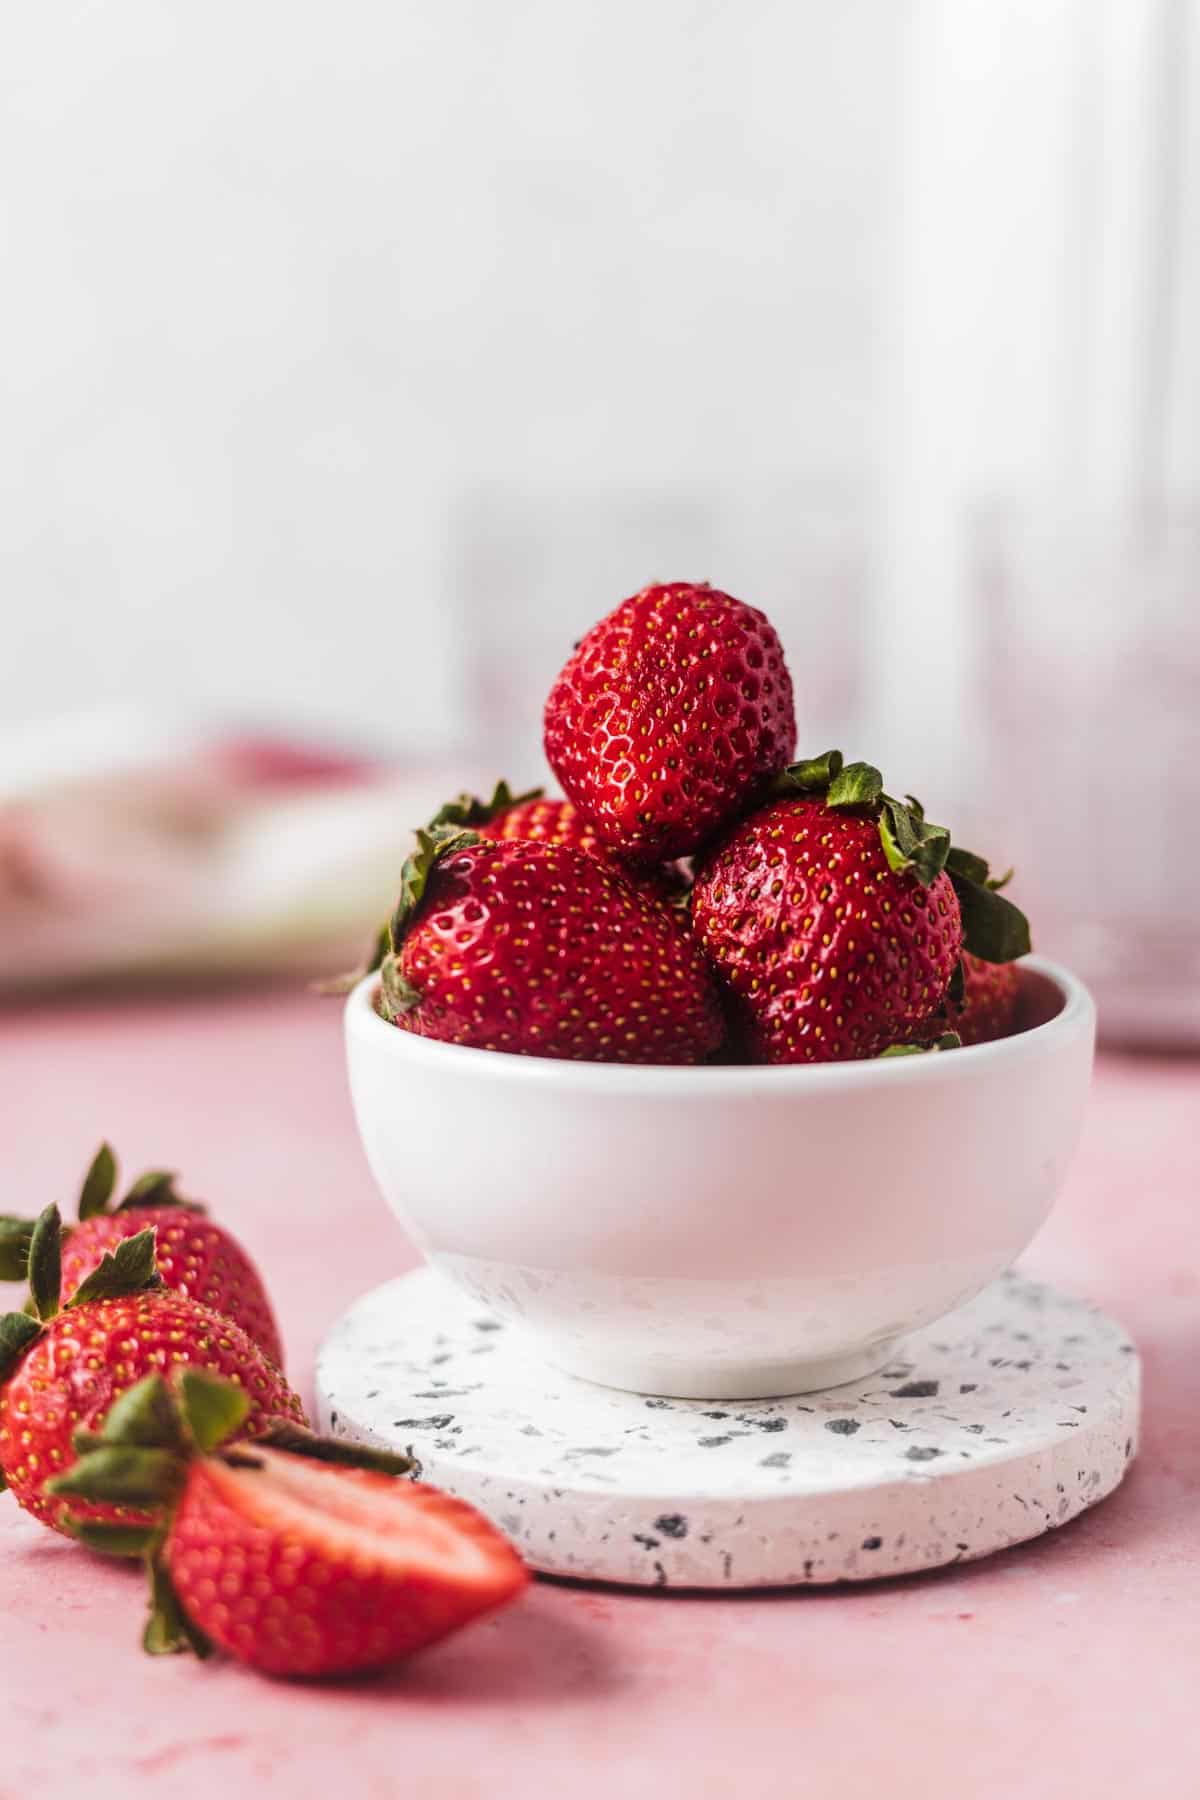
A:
(1128, 1448)
(660, 1575)
(647, 1543)
(1072, 1423)
(771, 1424)
(486, 1324)
(1081, 1409)
(843, 1427)
(808, 1568)
(447, 1393)
(915, 1390)
(435, 1422)
(713, 1443)
(443, 1356)
(975, 1428)
(531, 1431)
(659, 1405)
(372, 1395)
(779, 1459)
(595, 1450)
(922, 1453)
(672, 1525)
(899, 1425)
(727, 1560)
(967, 1387)
(873, 1543)
(714, 1415)
(333, 1419)
(962, 1546)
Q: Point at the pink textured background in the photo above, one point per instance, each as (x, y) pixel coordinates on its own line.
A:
(1069, 1667)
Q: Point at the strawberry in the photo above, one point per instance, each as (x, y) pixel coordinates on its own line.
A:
(297, 1555)
(671, 716)
(541, 950)
(988, 1006)
(62, 1368)
(837, 915)
(195, 1256)
(535, 818)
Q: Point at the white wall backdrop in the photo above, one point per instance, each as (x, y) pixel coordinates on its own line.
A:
(352, 359)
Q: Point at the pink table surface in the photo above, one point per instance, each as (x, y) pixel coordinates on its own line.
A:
(1071, 1666)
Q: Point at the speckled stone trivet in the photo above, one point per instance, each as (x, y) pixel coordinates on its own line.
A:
(1000, 1422)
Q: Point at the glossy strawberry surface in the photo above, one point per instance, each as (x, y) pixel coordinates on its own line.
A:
(828, 954)
(195, 1257)
(988, 1008)
(298, 1568)
(669, 718)
(542, 950)
(86, 1356)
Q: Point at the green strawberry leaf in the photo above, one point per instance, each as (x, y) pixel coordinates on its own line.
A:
(967, 864)
(993, 928)
(112, 1540)
(283, 1435)
(949, 1040)
(911, 842)
(156, 1188)
(956, 992)
(432, 847)
(397, 995)
(144, 1416)
(858, 784)
(45, 1264)
(121, 1475)
(17, 1332)
(129, 1269)
(468, 809)
(98, 1184)
(14, 1248)
(212, 1407)
(811, 776)
(168, 1629)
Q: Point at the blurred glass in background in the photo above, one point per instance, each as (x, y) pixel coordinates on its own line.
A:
(353, 363)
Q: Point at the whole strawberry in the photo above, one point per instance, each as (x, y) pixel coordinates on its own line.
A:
(671, 716)
(297, 1555)
(195, 1256)
(837, 916)
(63, 1366)
(541, 950)
(987, 1008)
(532, 817)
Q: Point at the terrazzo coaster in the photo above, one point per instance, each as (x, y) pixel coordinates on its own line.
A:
(1000, 1422)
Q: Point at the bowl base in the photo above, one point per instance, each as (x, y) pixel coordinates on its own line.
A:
(749, 1381)
(998, 1423)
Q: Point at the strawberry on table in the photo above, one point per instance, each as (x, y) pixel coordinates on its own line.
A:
(195, 1256)
(541, 950)
(64, 1364)
(837, 915)
(670, 717)
(297, 1555)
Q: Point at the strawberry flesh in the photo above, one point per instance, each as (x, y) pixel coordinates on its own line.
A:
(300, 1568)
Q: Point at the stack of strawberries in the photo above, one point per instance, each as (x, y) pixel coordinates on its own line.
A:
(699, 895)
(144, 1412)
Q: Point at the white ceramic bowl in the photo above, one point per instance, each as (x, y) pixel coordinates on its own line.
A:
(725, 1232)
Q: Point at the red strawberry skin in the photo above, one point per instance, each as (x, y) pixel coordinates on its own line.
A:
(551, 821)
(88, 1355)
(830, 956)
(988, 1008)
(541, 950)
(389, 1567)
(195, 1257)
(669, 718)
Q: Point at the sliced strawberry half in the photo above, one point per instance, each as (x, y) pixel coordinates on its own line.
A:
(301, 1568)
(298, 1555)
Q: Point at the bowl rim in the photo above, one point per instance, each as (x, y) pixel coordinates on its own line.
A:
(1075, 1018)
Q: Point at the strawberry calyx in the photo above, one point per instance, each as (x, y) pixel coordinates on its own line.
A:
(155, 1188)
(140, 1458)
(993, 928)
(946, 1040)
(468, 810)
